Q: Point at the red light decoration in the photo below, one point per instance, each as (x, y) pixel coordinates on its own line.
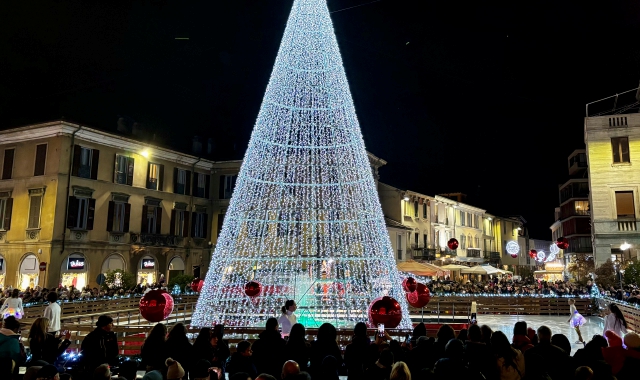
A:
(385, 310)
(409, 284)
(533, 253)
(156, 305)
(252, 288)
(419, 298)
(453, 244)
(514, 255)
(562, 243)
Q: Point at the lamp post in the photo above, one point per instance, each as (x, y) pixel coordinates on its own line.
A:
(617, 263)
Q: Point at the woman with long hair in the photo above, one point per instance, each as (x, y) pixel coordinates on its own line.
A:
(202, 348)
(615, 321)
(153, 352)
(12, 306)
(509, 361)
(400, 371)
(179, 347)
(288, 319)
(355, 354)
(324, 345)
(221, 351)
(297, 347)
(45, 346)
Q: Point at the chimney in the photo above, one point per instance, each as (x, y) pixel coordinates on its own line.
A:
(197, 145)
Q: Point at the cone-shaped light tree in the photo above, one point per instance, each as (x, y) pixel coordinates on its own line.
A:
(304, 220)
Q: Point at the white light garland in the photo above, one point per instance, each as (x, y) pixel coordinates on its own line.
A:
(304, 220)
(512, 247)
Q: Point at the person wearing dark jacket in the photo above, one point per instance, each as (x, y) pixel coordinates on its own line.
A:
(179, 347)
(153, 352)
(44, 346)
(355, 354)
(324, 345)
(381, 370)
(476, 353)
(520, 339)
(268, 350)
(101, 345)
(10, 346)
(297, 347)
(241, 361)
(556, 360)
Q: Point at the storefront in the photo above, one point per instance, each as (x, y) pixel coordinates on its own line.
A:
(74, 271)
(29, 272)
(553, 271)
(3, 271)
(147, 271)
(176, 267)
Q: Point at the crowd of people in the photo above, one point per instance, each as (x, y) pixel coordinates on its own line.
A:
(510, 286)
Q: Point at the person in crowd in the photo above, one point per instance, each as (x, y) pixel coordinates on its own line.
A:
(330, 368)
(533, 363)
(153, 351)
(583, 373)
(45, 346)
(615, 321)
(153, 375)
(174, 369)
(486, 335)
(509, 361)
(562, 341)
(418, 331)
(241, 360)
(400, 371)
(288, 319)
(476, 354)
(12, 306)
(462, 335)
(266, 376)
(355, 354)
(297, 347)
(443, 336)
(240, 376)
(268, 349)
(452, 365)
(100, 346)
(420, 357)
(324, 345)
(221, 351)
(202, 348)
(289, 369)
(48, 372)
(556, 360)
(202, 370)
(520, 340)
(179, 347)
(631, 362)
(382, 368)
(592, 356)
(10, 346)
(102, 372)
(576, 319)
(52, 313)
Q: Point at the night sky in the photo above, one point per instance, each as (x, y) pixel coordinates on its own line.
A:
(486, 98)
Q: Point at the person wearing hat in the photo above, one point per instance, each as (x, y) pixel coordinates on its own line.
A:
(48, 372)
(631, 362)
(174, 369)
(101, 345)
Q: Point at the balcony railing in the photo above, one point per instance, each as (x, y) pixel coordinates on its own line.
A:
(615, 226)
(157, 240)
(471, 252)
(446, 251)
(428, 254)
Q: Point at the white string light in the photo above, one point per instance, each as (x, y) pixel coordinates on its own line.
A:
(304, 219)
(512, 247)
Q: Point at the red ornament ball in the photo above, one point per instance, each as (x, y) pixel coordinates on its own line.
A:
(252, 288)
(385, 310)
(514, 255)
(452, 244)
(200, 284)
(409, 284)
(419, 298)
(562, 243)
(194, 284)
(533, 253)
(156, 305)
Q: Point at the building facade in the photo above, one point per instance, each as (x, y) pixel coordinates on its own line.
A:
(612, 150)
(78, 202)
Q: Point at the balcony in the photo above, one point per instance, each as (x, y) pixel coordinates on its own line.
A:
(426, 254)
(157, 240)
(492, 256)
(615, 226)
(473, 252)
(446, 251)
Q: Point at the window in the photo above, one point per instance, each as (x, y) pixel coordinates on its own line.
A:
(463, 242)
(470, 241)
(85, 162)
(34, 211)
(181, 181)
(416, 238)
(227, 183)
(624, 204)
(199, 225)
(399, 247)
(41, 159)
(118, 216)
(424, 210)
(477, 243)
(151, 219)
(6, 208)
(462, 217)
(179, 220)
(201, 185)
(81, 213)
(424, 240)
(582, 207)
(7, 164)
(415, 209)
(620, 148)
(220, 222)
(123, 170)
(155, 174)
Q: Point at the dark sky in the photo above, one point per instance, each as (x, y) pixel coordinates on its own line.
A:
(486, 98)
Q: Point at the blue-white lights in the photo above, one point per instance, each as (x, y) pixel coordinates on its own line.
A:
(304, 220)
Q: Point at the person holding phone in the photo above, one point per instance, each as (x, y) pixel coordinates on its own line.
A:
(45, 346)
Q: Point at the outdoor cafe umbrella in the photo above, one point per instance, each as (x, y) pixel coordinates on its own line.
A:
(480, 269)
(418, 268)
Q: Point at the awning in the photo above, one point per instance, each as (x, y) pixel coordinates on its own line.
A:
(480, 269)
(502, 271)
(454, 267)
(419, 268)
(468, 259)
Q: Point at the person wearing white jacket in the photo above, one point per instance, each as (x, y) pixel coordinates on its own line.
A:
(615, 321)
(288, 319)
(52, 313)
(13, 306)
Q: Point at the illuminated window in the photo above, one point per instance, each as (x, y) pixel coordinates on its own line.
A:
(582, 207)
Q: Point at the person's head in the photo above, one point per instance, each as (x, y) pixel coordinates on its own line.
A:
(265, 376)
(174, 369)
(105, 322)
(11, 323)
(297, 333)
(102, 372)
(158, 333)
(200, 370)
(289, 305)
(474, 334)
(327, 333)
(454, 349)
(420, 330)
(178, 332)
(596, 343)
(218, 332)
(244, 348)
(240, 376)
(360, 330)
(562, 341)
(571, 301)
(204, 338)
(520, 328)
(48, 372)
(544, 334)
(15, 293)
(462, 335)
(52, 297)
(486, 333)
(400, 371)
(583, 373)
(445, 333)
(632, 341)
(618, 313)
(386, 358)
(500, 344)
(272, 324)
(38, 329)
(289, 369)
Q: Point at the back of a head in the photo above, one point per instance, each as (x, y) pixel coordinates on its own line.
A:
(201, 369)
(272, 324)
(520, 328)
(500, 343)
(240, 376)
(360, 330)
(290, 368)
(243, 346)
(475, 334)
(445, 333)
(265, 376)
(561, 341)
(454, 349)
(420, 330)
(15, 293)
(178, 331)
(400, 371)
(327, 333)
(583, 373)
(102, 372)
(11, 323)
(52, 297)
(386, 358)
(544, 334)
(486, 333)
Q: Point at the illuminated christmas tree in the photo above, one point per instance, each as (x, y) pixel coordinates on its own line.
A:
(304, 221)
